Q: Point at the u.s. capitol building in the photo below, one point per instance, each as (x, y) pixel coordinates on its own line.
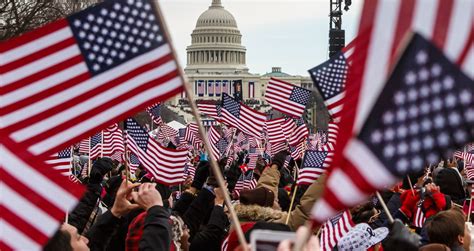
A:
(216, 64)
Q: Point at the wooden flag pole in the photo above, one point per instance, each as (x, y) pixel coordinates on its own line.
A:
(470, 208)
(231, 143)
(411, 186)
(202, 132)
(294, 194)
(385, 208)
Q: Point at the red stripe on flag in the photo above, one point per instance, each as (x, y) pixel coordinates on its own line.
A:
(33, 35)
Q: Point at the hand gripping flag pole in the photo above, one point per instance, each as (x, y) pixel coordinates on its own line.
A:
(202, 132)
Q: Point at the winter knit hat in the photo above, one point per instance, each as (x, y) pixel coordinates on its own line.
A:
(261, 196)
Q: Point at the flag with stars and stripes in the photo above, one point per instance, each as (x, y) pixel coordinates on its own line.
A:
(32, 211)
(242, 117)
(164, 164)
(246, 181)
(419, 217)
(286, 97)
(95, 145)
(334, 229)
(424, 111)
(155, 113)
(300, 133)
(113, 142)
(330, 79)
(214, 138)
(211, 110)
(467, 157)
(79, 74)
(61, 161)
(314, 164)
(133, 162)
(84, 145)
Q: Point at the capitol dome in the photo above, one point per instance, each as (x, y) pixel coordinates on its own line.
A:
(216, 43)
(216, 15)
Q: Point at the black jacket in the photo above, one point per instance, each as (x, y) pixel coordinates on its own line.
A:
(199, 211)
(156, 231)
(80, 216)
(210, 237)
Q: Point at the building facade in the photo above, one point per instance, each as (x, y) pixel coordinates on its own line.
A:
(216, 64)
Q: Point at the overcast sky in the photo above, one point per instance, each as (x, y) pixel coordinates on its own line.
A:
(292, 34)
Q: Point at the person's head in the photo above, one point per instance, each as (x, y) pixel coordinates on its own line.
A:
(67, 239)
(179, 233)
(364, 213)
(448, 228)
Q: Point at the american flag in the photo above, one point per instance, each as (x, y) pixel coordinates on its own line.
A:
(467, 157)
(190, 170)
(424, 110)
(79, 74)
(246, 181)
(276, 148)
(469, 170)
(165, 165)
(133, 162)
(286, 97)
(211, 110)
(330, 79)
(419, 218)
(238, 115)
(297, 152)
(334, 229)
(300, 134)
(314, 164)
(155, 113)
(333, 130)
(210, 88)
(85, 170)
(200, 88)
(31, 211)
(470, 147)
(192, 135)
(168, 132)
(61, 161)
(84, 145)
(95, 145)
(253, 157)
(214, 137)
(218, 88)
(113, 142)
(275, 130)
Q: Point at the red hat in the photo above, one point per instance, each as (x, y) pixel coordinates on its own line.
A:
(233, 242)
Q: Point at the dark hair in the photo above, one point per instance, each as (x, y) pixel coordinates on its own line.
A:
(445, 227)
(363, 212)
(61, 241)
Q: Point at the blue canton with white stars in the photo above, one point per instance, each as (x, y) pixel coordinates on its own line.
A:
(300, 95)
(330, 76)
(96, 139)
(66, 153)
(314, 159)
(425, 111)
(222, 145)
(113, 32)
(137, 132)
(232, 106)
(155, 110)
(134, 159)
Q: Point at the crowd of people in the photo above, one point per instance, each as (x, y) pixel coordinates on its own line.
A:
(117, 212)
